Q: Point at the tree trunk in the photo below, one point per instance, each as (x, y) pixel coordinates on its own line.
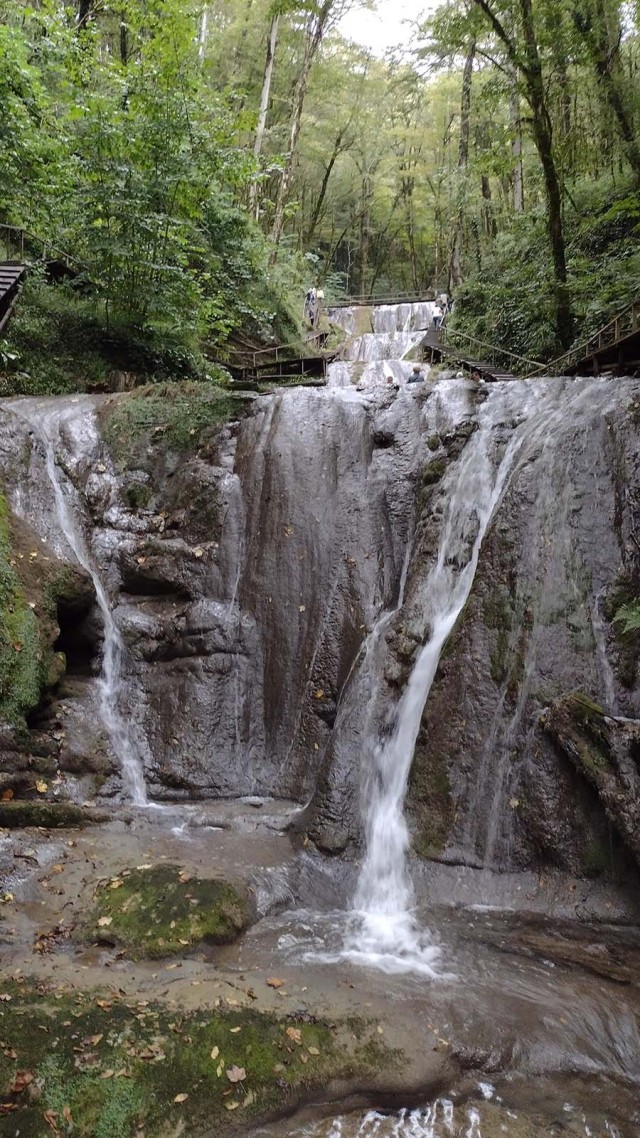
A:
(543, 137)
(455, 262)
(317, 209)
(124, 40)
(530, 66)
(85, 13)
(272, 41)
(602, 37)
(203, 29)
(316, 26)
(516, 148)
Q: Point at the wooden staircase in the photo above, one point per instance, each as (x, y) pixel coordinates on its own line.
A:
(11, 277)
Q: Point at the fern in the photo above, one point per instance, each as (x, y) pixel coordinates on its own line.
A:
(629, 616)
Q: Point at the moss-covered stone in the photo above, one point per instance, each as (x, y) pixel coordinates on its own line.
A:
(430, 798)
(114, 1068)
(49, 815)
(180, 416)
(434, 471)
(161, 910)
(433, 442)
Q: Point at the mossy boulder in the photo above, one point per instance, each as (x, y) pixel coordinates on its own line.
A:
(606, 751)
(47, 815)
(104, 1066)
(177, 417)
(161, 910)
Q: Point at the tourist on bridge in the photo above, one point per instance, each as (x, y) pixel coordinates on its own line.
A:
(310, 311)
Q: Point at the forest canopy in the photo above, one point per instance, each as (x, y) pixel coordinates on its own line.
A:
(197, 165)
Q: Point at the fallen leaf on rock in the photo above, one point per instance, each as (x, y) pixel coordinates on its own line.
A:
(6, 897)
(198, 552)
(42, 786)
(236, 1074)
(144, 866)
(295, 1034)
(181, 1098)
(514, 802)
(102, 922)
(380, 1029)
(57, 869)
(319, 694)
(273, 982)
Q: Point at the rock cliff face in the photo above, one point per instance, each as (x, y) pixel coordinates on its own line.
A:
(266, 567)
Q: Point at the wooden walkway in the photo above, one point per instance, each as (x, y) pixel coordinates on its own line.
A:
(437, 347)
(11, 277)
(615, 348)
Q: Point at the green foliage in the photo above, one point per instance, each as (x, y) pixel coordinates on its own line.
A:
(628, 616)
(181, 416)
(21, 653)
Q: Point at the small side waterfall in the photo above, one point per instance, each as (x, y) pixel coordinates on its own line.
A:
(385, 932)
(46, 421)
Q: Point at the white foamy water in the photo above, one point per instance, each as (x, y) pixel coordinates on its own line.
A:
(385, 932)
(46, 419)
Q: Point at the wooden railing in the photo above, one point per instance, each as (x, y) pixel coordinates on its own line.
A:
(489, 352)
(397, 298)
(624, 324)
(20, 241)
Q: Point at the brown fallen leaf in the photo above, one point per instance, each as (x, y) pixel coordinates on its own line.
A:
(51, 1119)
(313, 1050)
(7, 795)
(273, 982)
(295, 1034)
(102, 922)
(21, 1081)
(42, 786)
(236, 1074)
(181, 1098)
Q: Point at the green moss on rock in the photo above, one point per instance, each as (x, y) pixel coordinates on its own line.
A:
(180, 416)
(36, 812)
(110, 1067)
(161, 910)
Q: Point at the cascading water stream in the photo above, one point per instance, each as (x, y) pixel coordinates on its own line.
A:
(46, 425)
(384, 931)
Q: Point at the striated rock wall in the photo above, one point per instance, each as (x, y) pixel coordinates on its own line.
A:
(267, 559)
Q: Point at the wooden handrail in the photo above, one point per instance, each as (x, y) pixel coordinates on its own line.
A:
(483, 344)
(25, 235)
(595, 343)
(397, 298)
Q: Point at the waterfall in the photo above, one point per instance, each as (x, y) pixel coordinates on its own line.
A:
(384, 931)
(45, 419)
